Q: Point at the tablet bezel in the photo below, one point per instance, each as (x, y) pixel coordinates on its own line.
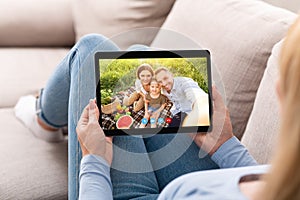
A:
(154, 54)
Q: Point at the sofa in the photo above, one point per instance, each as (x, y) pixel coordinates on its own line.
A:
(244, 38)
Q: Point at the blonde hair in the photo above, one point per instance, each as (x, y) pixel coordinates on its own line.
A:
(283, 181)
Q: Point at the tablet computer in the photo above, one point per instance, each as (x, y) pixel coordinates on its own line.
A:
(153, 92)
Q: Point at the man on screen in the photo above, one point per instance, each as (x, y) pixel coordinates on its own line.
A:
(190, 102)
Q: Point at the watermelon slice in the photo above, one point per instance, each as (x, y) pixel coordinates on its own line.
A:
(124, 122)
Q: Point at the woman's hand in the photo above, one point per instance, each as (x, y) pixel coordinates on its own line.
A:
(90, 135)
(222, 128)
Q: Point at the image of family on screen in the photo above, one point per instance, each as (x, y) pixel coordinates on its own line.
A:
(157, 99)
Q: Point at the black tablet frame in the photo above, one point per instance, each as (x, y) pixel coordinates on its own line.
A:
(154, 54)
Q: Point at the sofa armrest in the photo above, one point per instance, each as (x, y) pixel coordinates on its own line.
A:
(260, 136)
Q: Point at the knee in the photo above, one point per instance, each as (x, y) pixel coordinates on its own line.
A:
(91, 40)
(138, 47)
(91, 43)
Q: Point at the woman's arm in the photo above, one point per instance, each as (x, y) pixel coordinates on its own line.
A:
(94, 178)
(97, 156)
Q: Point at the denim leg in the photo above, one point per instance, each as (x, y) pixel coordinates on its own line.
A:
(173, 155)
(138, 47)
(82, 89)
(69, 89)
(54, 98)
(131, 171)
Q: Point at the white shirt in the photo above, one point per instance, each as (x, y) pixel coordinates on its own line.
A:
(183, 94)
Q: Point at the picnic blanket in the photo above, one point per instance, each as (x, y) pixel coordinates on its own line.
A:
(108, 122)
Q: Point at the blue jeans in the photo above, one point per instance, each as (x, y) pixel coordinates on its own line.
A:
(141, 167)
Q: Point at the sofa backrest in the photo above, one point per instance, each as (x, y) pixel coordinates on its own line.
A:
(240, 36)
(113, 18)
(36, 23)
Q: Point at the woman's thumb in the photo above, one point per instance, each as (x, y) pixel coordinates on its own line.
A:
(92, 111)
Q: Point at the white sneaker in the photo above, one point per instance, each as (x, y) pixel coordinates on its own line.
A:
(26, 113)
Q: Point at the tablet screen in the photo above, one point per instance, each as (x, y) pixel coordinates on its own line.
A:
(150, 92)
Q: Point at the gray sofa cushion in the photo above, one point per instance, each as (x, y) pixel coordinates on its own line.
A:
(240, 36)
(30, 168)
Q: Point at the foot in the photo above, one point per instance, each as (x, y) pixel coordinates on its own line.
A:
(26, 113)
